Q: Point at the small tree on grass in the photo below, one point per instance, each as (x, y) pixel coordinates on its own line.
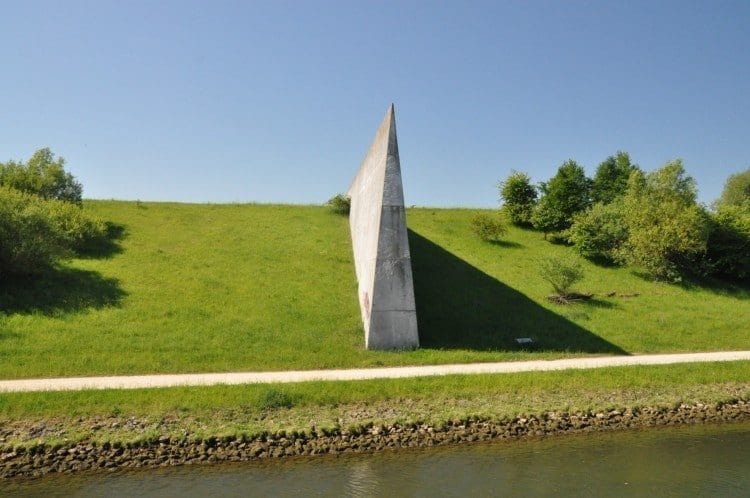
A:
(340, 204)
(564, 195)
(562, 273)
(488, 228)
(519, 197)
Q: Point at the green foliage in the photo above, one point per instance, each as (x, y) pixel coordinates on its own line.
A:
(599, 232)
(611, 178)
(728, 252)
(42, 175)
(273, 398)
(736, 191)
(339, 204)
(31, 238)
(519, 197)
(488, 228)
(566, 193)
(666, 226)
(36, 232)
(561, 273)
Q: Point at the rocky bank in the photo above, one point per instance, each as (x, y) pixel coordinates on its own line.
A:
(41, 459)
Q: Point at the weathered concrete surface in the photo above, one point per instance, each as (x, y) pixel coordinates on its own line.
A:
(381, 245)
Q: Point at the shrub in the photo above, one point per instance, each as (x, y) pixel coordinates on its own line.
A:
(42, 175)
(728, 251)
(30, 240)
(340, 204)
(519, 197)
(666, 228)
(35, 232)
(599, 232)
(274, 398)
(488, 228)
(561, 273)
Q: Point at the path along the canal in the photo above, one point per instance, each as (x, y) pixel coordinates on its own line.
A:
(230, 378)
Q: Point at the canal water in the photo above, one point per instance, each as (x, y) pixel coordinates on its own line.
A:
(711, 461)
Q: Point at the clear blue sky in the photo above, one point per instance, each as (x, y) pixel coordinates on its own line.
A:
(277, 101)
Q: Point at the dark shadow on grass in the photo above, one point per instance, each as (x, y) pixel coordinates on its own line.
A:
(506, 243)
(461, 307)
(61, 290)
(106, 246)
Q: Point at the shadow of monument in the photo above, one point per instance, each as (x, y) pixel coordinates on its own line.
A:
(60, 290)
(461, 307)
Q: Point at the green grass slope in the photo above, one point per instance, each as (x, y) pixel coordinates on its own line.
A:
(196, 288)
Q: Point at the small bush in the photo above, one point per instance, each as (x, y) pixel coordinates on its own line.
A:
(599, 232)
(488, 228)
(728, 252)
(273, 399)
(35, 233)
(561, 273)
(340, 204)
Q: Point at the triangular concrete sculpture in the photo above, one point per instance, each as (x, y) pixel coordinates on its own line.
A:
(381, 245)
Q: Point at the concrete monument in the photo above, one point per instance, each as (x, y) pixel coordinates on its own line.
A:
(381, 246)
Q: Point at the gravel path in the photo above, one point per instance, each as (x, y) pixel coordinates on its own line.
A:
(144, 381)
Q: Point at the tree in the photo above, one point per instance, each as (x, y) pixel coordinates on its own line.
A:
(611, 178)
(736, 191)
(42, 175)
(666, 227)
(564, 195)
(519, 197)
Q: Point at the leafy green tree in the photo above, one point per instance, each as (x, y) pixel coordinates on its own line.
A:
(42, 175)
(564, 195)
(519, 197)
(611, 178)
(736, 191)
(666, 226)
(599, 232)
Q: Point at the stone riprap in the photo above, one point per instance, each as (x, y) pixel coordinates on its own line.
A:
(381, 245)
(34, 460)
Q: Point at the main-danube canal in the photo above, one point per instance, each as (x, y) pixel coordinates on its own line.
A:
(694, 461)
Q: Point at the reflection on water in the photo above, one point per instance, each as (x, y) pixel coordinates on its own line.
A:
(697, 461)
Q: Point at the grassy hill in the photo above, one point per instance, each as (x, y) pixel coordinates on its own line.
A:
(194, 288)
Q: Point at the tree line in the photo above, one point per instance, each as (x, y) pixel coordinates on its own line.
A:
(648, 220)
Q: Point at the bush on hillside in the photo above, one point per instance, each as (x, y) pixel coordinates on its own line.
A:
(728, 252)
(340, 204)
(666, 227)
(599, 233)
(561, 273)
(35, 232)
(519, 197)
(488, 228)
(42, 175)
